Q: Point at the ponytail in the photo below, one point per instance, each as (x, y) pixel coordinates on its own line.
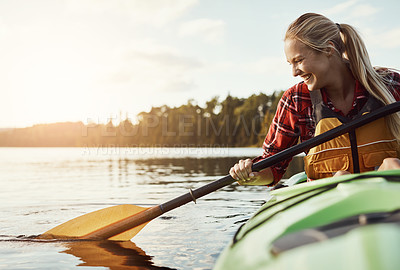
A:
(375, 83)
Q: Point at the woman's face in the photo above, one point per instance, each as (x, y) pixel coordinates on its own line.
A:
(312, 66)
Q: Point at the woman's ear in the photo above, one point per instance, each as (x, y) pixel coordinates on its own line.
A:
(331, 49)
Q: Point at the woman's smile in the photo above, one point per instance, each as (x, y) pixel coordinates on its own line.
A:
(311, 65)
(306, 77)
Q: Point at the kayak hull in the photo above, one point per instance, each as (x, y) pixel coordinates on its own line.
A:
(348, 222)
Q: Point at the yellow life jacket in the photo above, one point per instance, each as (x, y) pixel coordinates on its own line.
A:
(358, 151)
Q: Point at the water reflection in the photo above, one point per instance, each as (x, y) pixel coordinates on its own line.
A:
(123, 168)
(111, 254)
(42, 188)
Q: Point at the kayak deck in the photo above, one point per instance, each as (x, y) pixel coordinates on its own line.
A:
(348, 222)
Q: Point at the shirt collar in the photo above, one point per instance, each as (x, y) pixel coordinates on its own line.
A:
(360, 96)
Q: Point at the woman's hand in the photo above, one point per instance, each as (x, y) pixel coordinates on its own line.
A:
(242, 173)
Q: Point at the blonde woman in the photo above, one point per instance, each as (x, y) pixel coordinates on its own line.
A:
(339, 84)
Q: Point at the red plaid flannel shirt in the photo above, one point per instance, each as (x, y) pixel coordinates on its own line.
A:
(293, 119)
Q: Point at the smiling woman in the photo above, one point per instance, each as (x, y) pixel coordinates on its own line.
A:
(339, 85)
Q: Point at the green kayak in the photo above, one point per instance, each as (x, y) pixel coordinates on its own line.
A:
(347, 222)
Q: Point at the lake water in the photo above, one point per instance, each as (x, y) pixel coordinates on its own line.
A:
(44, 187)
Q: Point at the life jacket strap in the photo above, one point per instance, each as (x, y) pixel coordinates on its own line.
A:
(354, 151)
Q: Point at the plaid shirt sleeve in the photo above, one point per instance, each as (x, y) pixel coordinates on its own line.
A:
(284, 131)
(394, 80)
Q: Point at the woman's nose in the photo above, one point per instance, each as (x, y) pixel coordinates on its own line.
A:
(295, 71)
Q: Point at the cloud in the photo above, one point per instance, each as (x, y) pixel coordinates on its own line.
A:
(179, 86)
(164, 59)
(3, 29)
(270, 66)
(148, 66)
(352, 9)
(210, 31)
(364, 10)
(152, 12)
(150, 69)
(388, 39)
(364, 17)
(340, 8)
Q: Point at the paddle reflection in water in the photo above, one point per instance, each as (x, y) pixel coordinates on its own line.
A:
(111, 254)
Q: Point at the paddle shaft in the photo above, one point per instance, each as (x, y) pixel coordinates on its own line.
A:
(156, 211)
(153, 212)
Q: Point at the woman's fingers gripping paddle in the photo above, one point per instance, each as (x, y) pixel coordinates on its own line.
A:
(242, 172)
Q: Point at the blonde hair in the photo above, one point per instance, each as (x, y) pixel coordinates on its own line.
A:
(319, 33)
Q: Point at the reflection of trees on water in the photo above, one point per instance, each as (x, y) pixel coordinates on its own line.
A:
(183, 167)
(188, 166)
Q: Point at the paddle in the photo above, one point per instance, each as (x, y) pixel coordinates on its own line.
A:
(122, 222)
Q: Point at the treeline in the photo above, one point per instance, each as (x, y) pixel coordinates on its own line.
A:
(233, 122)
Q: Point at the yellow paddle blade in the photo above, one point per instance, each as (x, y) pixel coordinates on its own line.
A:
(83, 225)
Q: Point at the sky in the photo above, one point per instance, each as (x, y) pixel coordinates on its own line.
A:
(92, 60)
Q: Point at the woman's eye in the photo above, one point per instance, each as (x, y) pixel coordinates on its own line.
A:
(295, 62)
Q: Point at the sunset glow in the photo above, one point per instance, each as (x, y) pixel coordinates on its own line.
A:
(92, 60)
